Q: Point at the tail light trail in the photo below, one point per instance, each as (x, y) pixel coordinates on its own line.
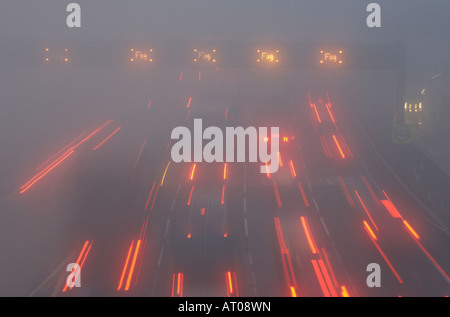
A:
(80, 261)
(231, 283)
(130, 269)
(177, 284)
(101, 143)
(286, 260)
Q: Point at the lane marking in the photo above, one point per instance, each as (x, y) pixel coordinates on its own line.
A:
(324, 226)
(315, 203)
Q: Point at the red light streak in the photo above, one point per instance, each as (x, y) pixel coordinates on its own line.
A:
(277, 194)
(329, 266)
(133, 264)
(154, 198)
(346, 192)
(101, 143)
(327, 278)
(285, 256)
(372, 235)
(150, 195)
(372, 193)
(320, 278)
(44, 172)
(80, 261)
(367, 211)
(391, 208)
(179, 280)
(43, 164)
(325, 146)
(305, 200)
(190, 196)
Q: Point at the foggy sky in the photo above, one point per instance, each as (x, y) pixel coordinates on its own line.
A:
(231, 19)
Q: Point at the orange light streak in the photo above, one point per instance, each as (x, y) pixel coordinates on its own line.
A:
(133, 264)
(305, 200)
(125, 266)
(279, 159)
(164, 175)
(317, 113)
(411, 230)
(338, 146)
(223, 194)
(369, 230)
(225, 171)
(344, 291)
(309, 237)
(291, 166)
(192, 172)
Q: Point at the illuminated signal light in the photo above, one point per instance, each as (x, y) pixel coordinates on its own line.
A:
(205, 56)
(188, 235)
(331, 57)
(141, 55)
(267, 56)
